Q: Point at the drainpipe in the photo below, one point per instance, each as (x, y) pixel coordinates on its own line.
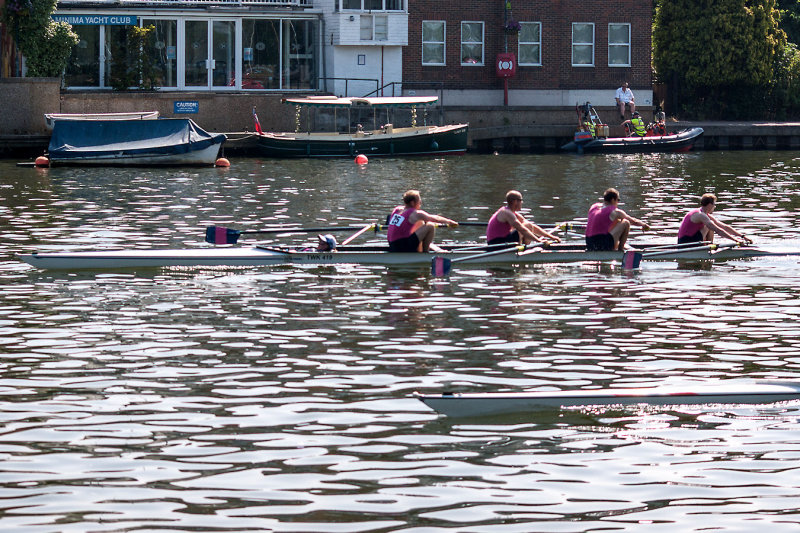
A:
(322, 52)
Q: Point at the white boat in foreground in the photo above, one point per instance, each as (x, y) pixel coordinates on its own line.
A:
(51, 118)
(362, 255)
(732, 392)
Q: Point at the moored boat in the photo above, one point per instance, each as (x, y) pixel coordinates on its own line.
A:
(366, 255)
(387, 140)
(732, 392)
(51, 118)
(675, 142)
(134, 142)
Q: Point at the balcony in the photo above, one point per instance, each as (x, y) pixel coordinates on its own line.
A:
(180, 3)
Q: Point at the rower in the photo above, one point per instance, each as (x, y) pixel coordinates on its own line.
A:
(700, 225)
(411, 229)
(508, 225)
(607, 226)
(327, 243)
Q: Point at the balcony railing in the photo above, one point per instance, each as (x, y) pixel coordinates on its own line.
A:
(178, 3)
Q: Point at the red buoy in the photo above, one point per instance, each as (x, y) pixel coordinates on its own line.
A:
(222, 162)
(42, 161)
(361, 159)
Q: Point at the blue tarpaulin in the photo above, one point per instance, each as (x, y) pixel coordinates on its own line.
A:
(74, 140)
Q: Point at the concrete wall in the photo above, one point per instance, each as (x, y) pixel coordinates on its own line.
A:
(231, 112)
(24, 103)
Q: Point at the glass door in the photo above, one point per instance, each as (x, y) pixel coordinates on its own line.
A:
(210, 53)
(196, 64)
(223, 52)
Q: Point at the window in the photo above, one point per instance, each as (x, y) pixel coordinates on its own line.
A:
(530, 43)
(381, 27)
(433, 42)
(370, 5)
(472, 43)
(165, 51)
(261, 55)
(582, 44)
(366, 27)
(619, 45)
(374, 27)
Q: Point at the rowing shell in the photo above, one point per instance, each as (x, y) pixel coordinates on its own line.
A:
(363, 255)
(481, 404)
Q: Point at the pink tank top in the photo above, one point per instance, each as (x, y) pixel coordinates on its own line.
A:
(599, 219)
(496, 229)
(399, 226)
(688, 227)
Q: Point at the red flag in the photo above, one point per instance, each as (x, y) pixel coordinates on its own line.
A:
(258, 124)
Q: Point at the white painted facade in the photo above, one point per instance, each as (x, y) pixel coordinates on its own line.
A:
(362, 49)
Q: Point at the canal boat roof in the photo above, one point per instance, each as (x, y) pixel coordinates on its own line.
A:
(366, 102)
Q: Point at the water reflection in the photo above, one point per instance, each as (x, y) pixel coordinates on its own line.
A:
(278, 398)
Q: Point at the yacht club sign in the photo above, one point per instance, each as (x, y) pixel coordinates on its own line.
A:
(97, 20)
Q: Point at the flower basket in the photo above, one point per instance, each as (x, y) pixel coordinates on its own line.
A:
(511, 27)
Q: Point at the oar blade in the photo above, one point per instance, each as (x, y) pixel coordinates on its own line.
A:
(222, 235)
(631, 260)
(440, 266)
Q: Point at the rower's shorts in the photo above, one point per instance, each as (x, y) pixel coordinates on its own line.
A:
(697, 237)
(511, 237)
(407, 244)
(600, 243)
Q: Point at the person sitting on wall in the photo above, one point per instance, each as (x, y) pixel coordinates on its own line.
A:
(624, 98)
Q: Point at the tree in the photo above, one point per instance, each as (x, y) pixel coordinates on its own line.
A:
(46, 44)
(790, 19)
(717, 55)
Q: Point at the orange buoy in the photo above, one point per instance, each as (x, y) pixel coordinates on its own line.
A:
(361, 159)
(222, 162)
(42, 161)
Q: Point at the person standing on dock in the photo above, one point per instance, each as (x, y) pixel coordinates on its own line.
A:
(411, 229)
(608, 226)
(700, 225)
(508, 225)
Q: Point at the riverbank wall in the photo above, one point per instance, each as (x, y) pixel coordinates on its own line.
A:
(518, 129)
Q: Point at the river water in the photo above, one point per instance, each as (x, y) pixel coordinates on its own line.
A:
(279, 399)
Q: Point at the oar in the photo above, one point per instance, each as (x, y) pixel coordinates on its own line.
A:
(632, 258)
(441, 266)
(359, 232)
(223, 235)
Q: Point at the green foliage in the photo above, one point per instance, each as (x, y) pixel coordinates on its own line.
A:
(132, 64)
(45, 44)
(790, 19)
(719, 56)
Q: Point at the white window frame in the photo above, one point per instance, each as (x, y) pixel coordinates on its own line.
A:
(340, 6)
(619, 45)
(574, 44)
(443, 42)
(482, 42)
(373, 25)
(521, 43)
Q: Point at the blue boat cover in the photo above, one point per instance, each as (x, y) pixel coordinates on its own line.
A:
(82, 138)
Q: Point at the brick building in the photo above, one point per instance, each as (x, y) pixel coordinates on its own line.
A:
(567, 51)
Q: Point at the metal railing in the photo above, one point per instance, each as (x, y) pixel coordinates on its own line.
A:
(323, 83)
(177, 3)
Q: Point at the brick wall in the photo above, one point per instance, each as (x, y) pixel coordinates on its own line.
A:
(556, 17)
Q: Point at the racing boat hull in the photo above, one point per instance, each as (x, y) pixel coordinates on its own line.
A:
(482, 404)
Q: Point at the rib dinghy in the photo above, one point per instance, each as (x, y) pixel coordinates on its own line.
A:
(367, 255)
(733, 392)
